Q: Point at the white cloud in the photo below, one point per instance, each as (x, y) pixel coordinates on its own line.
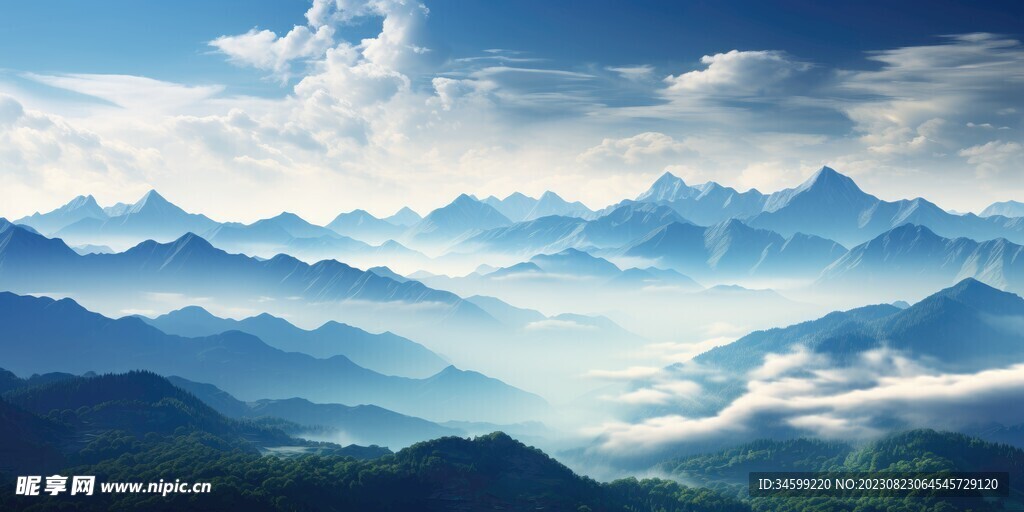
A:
(631, 373)
(136, 93)
(264, 50)
(995, 156)
(737, 73)
(643, 148)
(384, 118)
(633, 73)
(814, 396)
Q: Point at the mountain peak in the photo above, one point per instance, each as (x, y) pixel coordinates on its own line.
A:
(827, 188)
(190, 312)
(152, 195)
(829, 177)
(668, 187)
(81, 201)
(192, 241)
(979, 295)
(152, 200)
(404, 217)
(668, 178)
(464, 199)
(287, 215)
(909, 230)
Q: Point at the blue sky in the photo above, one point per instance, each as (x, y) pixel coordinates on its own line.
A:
(354, 103)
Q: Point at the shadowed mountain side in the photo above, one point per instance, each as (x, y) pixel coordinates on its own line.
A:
(78, 341)
(81, 420)
(361, 424)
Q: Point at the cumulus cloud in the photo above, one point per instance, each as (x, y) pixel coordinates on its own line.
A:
(737, 73)
(265, 50)
(387, 117)
(806, 394)
(41, 151)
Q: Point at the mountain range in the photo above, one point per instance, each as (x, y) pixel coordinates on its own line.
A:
(79, 208)
(463, 216)
(190, 264)
(359, 224)
(77, 341)
(518, 207)
(625, 223)
(733, 248)
(1005, 209)
(914, 256)
(385, 353)
(152, 216)
(828, 205)
(405, 216)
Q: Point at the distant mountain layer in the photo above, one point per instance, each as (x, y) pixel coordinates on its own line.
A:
(83, 221)
(733, 248)
(461, 217)
(79, 208)
(914, 255)
(385, 353)
(518, 207)
(1005, 209)
(705, 204)
(591, 269)
(359, 224)
(150, 217)
(190, 264)
(78, 341)
(404, 217)
(614, 228)
(828, 205)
